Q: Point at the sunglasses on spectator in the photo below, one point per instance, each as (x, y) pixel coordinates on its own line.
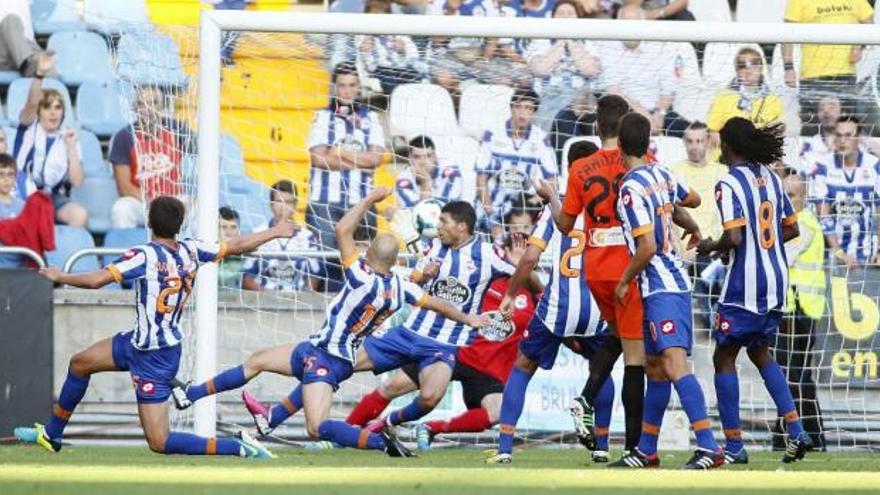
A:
(749, 63)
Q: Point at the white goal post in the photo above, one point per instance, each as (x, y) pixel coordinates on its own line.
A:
(213, 23)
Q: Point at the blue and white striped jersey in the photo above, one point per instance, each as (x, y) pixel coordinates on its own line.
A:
(356, 131)
(464, 276)
(752, 196)
(511, 164)
(648, 194)
(446, 183)
(163, 281)
(567, 307)
(852, 196)
(288, 275)
(366, 301)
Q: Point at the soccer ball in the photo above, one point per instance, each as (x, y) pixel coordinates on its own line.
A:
(426, 217)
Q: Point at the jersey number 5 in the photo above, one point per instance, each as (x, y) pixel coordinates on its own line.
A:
(580, 239)
(766, 225)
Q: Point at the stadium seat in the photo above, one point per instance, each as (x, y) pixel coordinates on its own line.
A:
(69, 240)
(669, 149)
(93, 160)
(690, 100)
(231, 156)
(176, 12)
(99, 107)
(116, 17)
(482, 107)
(81, 56)
(270, 135)
(52, 16)
(422, 109)
(123, 239)
(710, 10)
(272, 83)
(17, 97)
(760, 11)
(248, 198)
(718, 63)
(146, 57)
(7, 76)
(97, 195)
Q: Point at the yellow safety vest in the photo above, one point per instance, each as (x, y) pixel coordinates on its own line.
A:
(807, 282)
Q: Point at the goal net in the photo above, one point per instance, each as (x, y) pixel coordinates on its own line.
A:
(258, 97)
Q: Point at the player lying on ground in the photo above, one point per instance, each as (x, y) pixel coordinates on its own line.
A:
(758, 218)
(649, 194)
(163, 271)
(372, 293)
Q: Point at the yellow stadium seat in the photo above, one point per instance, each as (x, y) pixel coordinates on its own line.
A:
(275, 83)
(272, 5)
(275, 45)
(176, 12)
(269, 135)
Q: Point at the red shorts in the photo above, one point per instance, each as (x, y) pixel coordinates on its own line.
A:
(627, 318)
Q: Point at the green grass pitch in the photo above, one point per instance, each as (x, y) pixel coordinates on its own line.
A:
(134, 471)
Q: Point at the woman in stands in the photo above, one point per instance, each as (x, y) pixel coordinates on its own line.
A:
(48, 156)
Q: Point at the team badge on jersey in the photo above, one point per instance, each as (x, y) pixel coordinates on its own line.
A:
(452, 290)
(500, 328)
(520, 302)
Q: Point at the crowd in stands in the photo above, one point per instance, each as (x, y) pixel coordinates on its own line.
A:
(553, 87)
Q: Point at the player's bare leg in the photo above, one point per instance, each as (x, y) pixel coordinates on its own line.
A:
(316, 406)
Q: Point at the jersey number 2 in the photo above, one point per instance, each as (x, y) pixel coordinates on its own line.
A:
(578, 249)
(766, 225)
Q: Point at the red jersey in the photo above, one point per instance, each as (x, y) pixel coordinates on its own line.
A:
(593, 185)
(496, 358)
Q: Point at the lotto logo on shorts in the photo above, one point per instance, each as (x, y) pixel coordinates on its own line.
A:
(721, 324)
(667, 327)
(147, 388)
(321, 371)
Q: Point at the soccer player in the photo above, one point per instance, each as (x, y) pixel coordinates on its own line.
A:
(458, 268)
(649, 195)
(372, 293)
(758, 218)
(482, 367)
(592, 192)
(163, 271)
(566, 314)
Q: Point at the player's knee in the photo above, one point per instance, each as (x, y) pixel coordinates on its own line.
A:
(255, 362)
(156, 442)
(760, 356)
(429, 399)
(723, 361)
(79, 364)
(313, 428)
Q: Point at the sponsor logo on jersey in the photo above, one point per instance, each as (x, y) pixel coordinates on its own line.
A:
(452, 290)
(500, 329)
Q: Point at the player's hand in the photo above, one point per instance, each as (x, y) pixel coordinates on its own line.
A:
(518, 245)
(479, 321)
(431, 271)
(284, 229)
(621, 291)
(706, 246)
(52, 273)
(544, 188)
(506, 307)
(694, 240)
(378, 194)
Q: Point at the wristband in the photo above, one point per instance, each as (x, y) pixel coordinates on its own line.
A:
(788, 65)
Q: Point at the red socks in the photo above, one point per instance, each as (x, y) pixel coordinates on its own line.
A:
(368, 409)
(472, 420)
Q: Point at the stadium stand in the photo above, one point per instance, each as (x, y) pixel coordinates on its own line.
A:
(17, 96)
(99, 107)
(52, 16)
(97, 194)
(81, 56)
(69, 240)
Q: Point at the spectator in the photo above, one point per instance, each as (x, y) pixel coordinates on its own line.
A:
(425, 179)
(804, 310)
(825, 69)
(231, 267)
(291, 274)
(346, 144)
(10, 204)
(828, 111)
(643, 72)
(663, 10)
(577, 119)
(701, 174)
(146, 160)
(18, 49)
(49, 158)
(847, 189)
(4, 141)
(392, 59)
(510, 158)
(562, 68)
(519, 221)
(748, 96)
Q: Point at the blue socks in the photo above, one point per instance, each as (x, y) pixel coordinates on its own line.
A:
(656, 399)
(603, 406)
(349, 436)
(227, 380)
(286, 408)
(694, 404)
(777, 385)
(410, 412)
(72, 392)
(187, 443)
(511, 408)
(727, 391)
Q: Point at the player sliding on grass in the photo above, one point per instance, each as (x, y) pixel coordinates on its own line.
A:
(163, 272)
(371, 294)
(758, 218)
(649, 199)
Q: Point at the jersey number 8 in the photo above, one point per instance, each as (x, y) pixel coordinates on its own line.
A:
(766, 225)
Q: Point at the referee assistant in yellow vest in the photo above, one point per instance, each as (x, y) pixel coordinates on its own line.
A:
(804, 311)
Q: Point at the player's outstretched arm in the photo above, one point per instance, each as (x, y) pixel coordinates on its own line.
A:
(90, 280)
(248, 242)
(349, 223)
(646, 246)
(449, 311)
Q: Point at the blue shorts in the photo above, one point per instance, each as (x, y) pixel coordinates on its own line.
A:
(312, 364)
(151, 371)
(669, 319)
(735, 325)
(541, 345)
(400, 346)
